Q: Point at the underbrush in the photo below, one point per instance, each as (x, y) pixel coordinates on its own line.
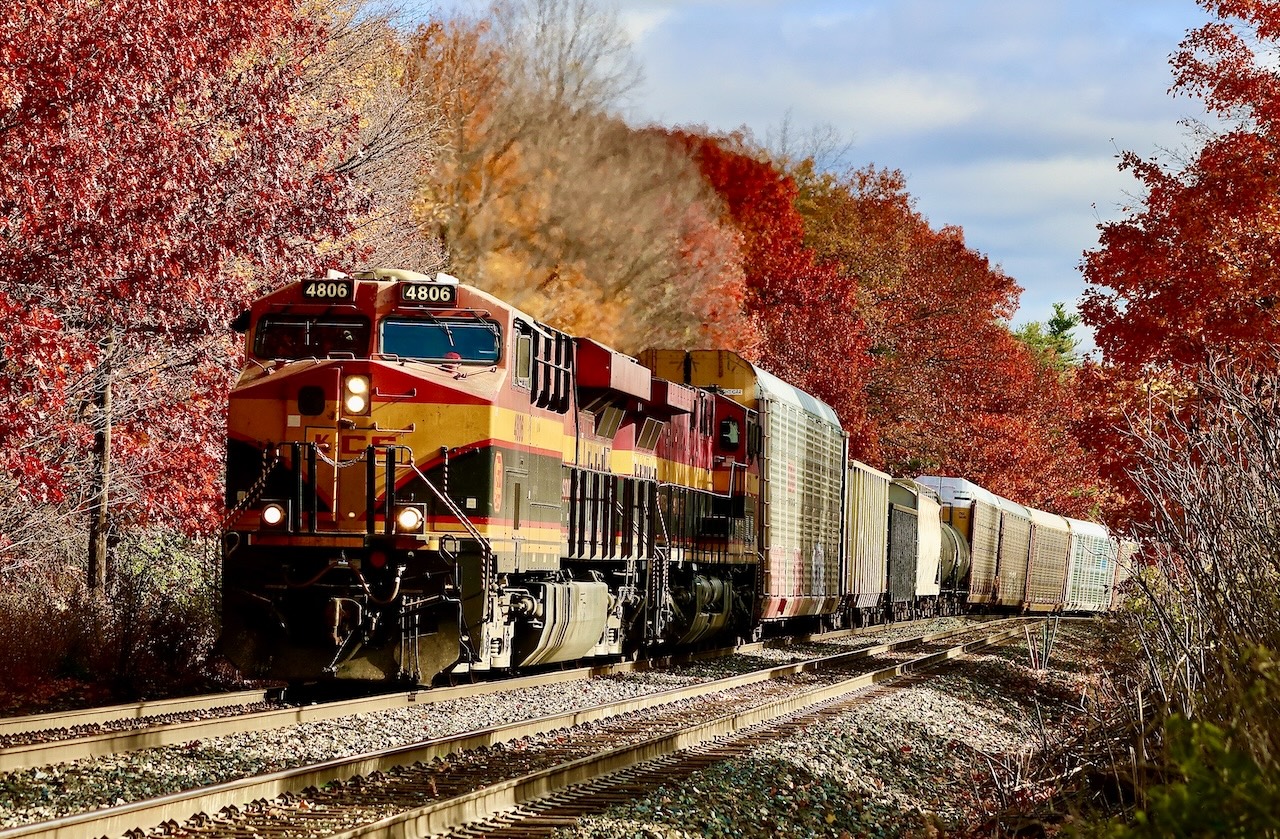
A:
(1210, 769)
(1144, 767)
(147, 635)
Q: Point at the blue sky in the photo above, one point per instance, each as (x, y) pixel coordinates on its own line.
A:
(1005, 116)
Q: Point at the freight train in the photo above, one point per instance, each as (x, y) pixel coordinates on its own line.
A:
(424, 482)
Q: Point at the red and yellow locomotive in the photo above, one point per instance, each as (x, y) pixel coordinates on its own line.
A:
(422, 479)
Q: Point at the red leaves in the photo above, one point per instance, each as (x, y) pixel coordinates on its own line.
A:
(948, 389)
(1193, 269)
(147, 148)
(809, 335)
(1191, 272)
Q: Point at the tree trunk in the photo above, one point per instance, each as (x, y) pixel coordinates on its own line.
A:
(101, 471)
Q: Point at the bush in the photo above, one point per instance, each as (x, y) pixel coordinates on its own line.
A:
(1204, 618)
(148, 635)
(1219, 790)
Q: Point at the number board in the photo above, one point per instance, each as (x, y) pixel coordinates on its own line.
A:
(330, 291)
(429, 294)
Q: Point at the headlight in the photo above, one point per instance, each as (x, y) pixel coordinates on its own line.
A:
(274, 514)
(409, 519)
(355, 394)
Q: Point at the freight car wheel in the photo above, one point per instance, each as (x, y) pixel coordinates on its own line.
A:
(455, 679)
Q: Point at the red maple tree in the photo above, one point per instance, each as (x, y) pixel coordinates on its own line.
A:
(1189, 273)
(809, 334)
(1192, 270)
(949, 389)
(155, 175)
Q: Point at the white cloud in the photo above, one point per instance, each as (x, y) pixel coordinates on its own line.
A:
(639, 22)
(883, 107)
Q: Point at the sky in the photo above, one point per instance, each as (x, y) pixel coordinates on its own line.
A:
(1005, 116)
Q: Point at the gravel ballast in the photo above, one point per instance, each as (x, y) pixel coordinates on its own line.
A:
(43, 793)
(933, 759)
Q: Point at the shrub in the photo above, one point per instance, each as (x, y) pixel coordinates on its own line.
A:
(148, 635)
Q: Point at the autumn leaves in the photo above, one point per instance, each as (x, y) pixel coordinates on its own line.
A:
(164, 163)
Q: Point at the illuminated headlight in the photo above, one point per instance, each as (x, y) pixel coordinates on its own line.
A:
(409, 519)
(355, 397)
(274, 514)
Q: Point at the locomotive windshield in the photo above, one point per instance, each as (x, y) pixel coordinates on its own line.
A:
(296, 336)
(443, 339)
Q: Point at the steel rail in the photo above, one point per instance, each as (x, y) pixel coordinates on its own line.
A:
(177, 807)
(132, 711)
(458, 812)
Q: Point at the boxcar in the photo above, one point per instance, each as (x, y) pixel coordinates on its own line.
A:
(1050, 555)
(929, 557)
(915, 534)
(1091, 574)
(1015, 553)
(1126, 555)
(866, 540)
(904, 544)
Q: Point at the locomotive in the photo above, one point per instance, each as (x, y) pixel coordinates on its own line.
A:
(424, 482)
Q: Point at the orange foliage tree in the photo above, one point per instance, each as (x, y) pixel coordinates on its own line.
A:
(544, 198)
(949, 389)
(810, 336)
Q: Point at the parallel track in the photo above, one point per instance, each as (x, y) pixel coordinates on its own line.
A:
(403, 817)
(59, 748)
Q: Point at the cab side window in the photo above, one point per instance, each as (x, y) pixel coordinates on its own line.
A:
(523, 373)
(729, 434)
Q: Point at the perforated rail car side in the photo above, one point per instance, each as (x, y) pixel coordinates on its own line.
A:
(1126, 559)
(1050, 554)
(865, 574)
(1091, 574)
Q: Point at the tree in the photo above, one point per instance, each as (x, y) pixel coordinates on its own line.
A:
(1192, 269)
(1052, 342)
(155, 173)
(367, 67)
(809, 334)
(1189, 272)
(948, 389)
(545, 198)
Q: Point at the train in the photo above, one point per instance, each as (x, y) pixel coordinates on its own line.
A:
(424, 483)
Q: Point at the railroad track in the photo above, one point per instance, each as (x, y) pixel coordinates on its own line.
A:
(564, 808)
(473, 775)
(47, 739)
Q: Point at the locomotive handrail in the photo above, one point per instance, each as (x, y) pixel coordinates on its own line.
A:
(449, 504)
(255, 490)
(488, 572)
(412, 427)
